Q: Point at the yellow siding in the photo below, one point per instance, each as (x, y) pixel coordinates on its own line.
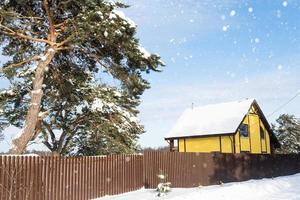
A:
(253, 143)
(205, 144)
(181, 145)
(226, 144)
(254, 133)
(237, 142)
(245, 144)
(263, 146)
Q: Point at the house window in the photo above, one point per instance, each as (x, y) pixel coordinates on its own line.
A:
(262, 133)
(244, 130)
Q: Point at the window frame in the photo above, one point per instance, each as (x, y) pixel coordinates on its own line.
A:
(244, 128)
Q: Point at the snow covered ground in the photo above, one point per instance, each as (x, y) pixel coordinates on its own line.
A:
(281, 188)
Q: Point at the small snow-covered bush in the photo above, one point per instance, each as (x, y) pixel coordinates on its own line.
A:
(163, 187)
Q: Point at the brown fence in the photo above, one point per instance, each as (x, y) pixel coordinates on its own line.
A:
(195, 169)
(55, 178)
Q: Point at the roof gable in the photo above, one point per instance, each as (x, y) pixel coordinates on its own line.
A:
(215, 119)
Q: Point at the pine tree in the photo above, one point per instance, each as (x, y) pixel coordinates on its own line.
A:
(57, 48)
(287, 131)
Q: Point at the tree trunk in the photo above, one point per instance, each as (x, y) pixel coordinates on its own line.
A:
(20, 143)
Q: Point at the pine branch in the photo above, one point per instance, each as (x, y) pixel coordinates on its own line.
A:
(33, 58)
(15, 15)
(11, 32)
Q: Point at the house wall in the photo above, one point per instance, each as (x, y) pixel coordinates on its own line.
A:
(222, 144)
(204, 144)
(231, 143)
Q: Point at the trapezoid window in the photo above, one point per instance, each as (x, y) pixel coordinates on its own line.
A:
(244, 130)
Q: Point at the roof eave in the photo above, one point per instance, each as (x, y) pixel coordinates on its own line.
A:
(197, 136)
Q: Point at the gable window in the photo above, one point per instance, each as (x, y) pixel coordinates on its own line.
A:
(262, 133)
(244, 130)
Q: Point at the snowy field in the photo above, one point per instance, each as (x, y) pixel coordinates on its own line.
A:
(281, 188)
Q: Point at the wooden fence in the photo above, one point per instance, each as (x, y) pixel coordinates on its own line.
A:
(60, 178)
(196, 169)
(63, 178)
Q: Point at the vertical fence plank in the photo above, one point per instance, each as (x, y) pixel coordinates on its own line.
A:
(101, 177)
(34, 177)
(83, 177)
(72, 179)
(87, 180)
(67, 186)
(98, 178)
(17, 186)
(97, 189)
(92, 175)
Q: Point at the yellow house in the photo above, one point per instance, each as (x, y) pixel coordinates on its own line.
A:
(232, 127)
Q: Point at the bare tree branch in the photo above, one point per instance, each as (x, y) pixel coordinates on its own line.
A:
(49, 14)
(52, 135)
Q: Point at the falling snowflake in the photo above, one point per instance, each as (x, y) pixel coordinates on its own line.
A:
(285, 4)
(250, 9)
(225, 28)
(279, 67)
(256, 40)
(278, 13)
(232, 13)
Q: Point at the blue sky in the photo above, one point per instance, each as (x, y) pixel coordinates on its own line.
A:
(258, 56)
(216, 51)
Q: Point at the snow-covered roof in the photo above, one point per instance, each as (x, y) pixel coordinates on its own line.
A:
(212, 119)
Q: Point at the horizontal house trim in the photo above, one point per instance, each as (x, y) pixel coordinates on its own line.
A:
(198, 136)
